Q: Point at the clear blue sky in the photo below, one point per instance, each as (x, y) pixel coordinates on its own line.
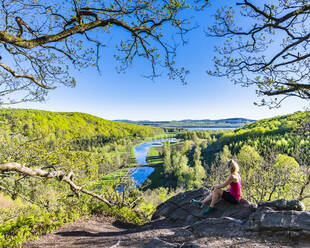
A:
(130, 96)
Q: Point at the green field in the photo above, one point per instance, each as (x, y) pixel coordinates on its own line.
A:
(153, 157)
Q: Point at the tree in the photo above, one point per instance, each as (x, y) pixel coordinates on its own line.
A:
(186, 146)
(198, 171)
(253, 176)
(283, 182)
(167, 158)
(267, 45)
(225, 155)
(40, 38)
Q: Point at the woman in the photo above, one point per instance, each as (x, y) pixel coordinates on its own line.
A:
(232, 195)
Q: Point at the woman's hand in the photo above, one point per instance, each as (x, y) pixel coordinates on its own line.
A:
(214, 187)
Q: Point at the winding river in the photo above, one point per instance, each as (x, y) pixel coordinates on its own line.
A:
(141, 173)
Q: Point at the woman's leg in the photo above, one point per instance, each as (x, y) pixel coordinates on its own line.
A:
(208, 198)
(217, 193)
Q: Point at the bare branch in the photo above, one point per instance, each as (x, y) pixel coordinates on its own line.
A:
(268, 47)
(14, 74)
(62, 176)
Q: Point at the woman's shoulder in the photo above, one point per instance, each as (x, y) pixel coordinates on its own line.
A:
(235, 177)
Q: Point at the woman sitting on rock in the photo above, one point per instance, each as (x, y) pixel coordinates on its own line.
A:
(232, 195)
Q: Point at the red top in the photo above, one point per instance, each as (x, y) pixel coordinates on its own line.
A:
(235, 189)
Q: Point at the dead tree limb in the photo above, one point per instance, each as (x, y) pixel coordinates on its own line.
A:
(60, 175)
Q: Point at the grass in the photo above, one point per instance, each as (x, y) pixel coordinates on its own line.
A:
(115, 176)
(133, 161)
(153, 157)
(155, 180)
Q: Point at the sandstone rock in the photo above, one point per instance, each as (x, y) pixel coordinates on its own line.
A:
(179, 209)
(285, 218)
(183, 233)
(289, 223)
(223, 226)
(192, 245)
(283, 204)
(158, 243)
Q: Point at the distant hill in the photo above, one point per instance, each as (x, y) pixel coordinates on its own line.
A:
(34, 123)
(206, 123)
(281, 132)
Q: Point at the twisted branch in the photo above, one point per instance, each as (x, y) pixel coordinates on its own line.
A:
(62, 176)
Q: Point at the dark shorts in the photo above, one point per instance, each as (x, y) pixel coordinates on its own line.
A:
(228, 197)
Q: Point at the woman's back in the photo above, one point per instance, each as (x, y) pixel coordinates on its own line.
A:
(235, 188)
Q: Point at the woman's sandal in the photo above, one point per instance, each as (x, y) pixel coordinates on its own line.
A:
(208, 210)
(197, 202)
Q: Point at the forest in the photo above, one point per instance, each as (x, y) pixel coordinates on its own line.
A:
(272, 154)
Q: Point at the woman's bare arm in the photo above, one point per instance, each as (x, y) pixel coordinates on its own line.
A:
(228, 181)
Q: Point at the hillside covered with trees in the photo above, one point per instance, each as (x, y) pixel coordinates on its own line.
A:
(46, 124)
(287, 134)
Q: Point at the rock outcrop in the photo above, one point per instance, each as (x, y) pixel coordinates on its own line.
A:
(283, 204)
(179, 208)
(158, 243)
(287, 218)
(290, 223)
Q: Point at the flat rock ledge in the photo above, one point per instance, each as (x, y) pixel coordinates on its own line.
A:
(180, 210)
(282, 218)
(158, 243)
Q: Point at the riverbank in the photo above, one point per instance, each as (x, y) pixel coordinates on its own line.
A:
(155, 159)
(144, 158)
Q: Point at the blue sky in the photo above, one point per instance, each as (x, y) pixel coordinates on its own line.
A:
(131, 96)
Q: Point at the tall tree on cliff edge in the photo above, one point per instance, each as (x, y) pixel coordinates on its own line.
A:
(266, 45)
(41, 39)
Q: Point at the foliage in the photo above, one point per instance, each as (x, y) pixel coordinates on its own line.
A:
(86, 130)
(270, 162)
(30, 221)
(160, 195)
(198, 171)
(264, 43)
(189, 135)
(282, 134)
(167, 158)
(273, 155)
(181, 167)
(153, 157)
(262, 179)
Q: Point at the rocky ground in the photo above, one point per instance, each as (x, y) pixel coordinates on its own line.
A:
(179, 223)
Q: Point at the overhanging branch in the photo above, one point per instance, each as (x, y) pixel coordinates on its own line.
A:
(62, 176)
(33, 79)
(81, 28)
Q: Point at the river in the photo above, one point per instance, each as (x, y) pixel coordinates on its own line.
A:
(141, 173)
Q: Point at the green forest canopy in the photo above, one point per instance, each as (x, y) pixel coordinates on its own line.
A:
(68, 125)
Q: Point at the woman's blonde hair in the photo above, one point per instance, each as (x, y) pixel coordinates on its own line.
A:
(234, 167)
